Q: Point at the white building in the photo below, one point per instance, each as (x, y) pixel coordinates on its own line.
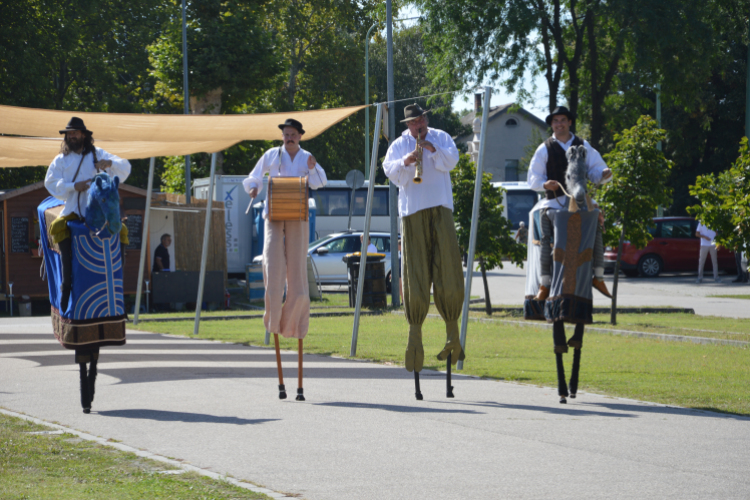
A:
(509, 135)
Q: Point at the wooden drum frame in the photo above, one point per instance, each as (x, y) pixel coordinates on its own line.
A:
(287, 198)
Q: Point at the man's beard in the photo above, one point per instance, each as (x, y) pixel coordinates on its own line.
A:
(74, 144)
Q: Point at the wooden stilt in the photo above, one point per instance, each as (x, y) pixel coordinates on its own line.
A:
(562, 387)
(574, 373)
(449, 387)
(282, 389)
(300, 391)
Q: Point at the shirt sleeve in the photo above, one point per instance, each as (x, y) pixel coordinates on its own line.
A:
(120, 167)
(445, 156)
(316, 176)
(595, 164)
(54, 181)
(537, 175)
(255, 179)
(394, 166)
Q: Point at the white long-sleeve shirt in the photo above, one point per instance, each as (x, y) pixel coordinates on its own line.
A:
(537, 174)
(59, 180)
(270, 164)
(435, 189)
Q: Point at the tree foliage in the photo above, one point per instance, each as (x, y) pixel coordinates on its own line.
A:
(494, 240)
(724, 202)
(639, 185)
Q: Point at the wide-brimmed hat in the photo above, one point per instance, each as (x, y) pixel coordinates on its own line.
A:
(560, 110)
(413, 111)
(291, 122)
(76, 123)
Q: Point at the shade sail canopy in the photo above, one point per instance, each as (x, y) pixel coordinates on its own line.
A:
(31, 151)
(168, 128)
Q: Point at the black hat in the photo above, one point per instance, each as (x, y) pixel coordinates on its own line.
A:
(412, 112)
(560, 110)
(76, 123)
(291, 122)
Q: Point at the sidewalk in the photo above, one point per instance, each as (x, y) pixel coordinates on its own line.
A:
(361, 433)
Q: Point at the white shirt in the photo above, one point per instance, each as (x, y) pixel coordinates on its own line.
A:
(59, 180)
(537, 174)
(372, 248)
(269, 164)
(704, 231)
(435, 189)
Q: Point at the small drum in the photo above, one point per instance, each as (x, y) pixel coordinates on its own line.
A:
(287, 198)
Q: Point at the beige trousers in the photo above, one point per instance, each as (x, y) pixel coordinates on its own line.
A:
(285, 263)
(702, 260)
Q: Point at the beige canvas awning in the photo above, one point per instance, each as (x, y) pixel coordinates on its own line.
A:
(32, 151)
(168, 128)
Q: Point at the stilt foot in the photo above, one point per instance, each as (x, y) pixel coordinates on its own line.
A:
(449, 393)
(282, 391)
(563, 400)
(300, 394)
(418, 392)
(87, 410)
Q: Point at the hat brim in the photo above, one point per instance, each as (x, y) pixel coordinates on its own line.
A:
(415, 117)
(549, 117)
(300, 130)
(85, 131)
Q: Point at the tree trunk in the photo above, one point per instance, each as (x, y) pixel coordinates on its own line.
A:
(487, 302)
(613, 313)
(292, 84)
(209, 104)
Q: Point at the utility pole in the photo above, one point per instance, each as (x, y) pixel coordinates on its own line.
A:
(392, 190)
(747, 95)
(187, 95)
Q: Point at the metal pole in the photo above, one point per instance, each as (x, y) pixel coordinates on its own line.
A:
(204, 254)
(659, 209)
(392, 189)
(747, 95)
(366, 235)
(474, 219)
(367, 101)
(187, 94)
(144, 240)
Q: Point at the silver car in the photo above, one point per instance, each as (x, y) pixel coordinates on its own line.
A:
(327, 255)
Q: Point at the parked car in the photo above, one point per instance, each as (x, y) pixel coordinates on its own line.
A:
(327, 255)
(674, 247)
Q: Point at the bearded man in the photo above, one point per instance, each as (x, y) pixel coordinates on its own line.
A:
(68, 178)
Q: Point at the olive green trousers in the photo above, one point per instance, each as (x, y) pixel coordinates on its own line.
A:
(431, 259)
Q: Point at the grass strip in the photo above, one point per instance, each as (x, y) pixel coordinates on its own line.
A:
(746, 297)
(65, 467)
(713, 377)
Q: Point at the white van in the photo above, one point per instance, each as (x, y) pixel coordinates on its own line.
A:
(518, 201)
(332, 208)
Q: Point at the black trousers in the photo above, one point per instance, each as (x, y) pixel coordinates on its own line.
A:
(558, 337)
(66, 254)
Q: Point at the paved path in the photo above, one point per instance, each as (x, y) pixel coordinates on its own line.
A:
(361, 434)
(679, 290)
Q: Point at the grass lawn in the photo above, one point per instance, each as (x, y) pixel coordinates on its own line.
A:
(712, 377)
(65, 467)
(746, 297)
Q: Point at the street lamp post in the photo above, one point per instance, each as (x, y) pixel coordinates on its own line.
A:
(367, 102)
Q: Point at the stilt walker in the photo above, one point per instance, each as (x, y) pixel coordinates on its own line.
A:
(419, 163)
(83, 239)
(291, 171)
(565, 241)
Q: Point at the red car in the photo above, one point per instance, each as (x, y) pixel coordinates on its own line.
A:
(674, 247)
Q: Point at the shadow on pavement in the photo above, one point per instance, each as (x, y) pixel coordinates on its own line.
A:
(395, 408)
(671, 410)
(176, 416)
(572, 410)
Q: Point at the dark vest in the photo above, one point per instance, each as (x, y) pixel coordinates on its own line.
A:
(557, 164)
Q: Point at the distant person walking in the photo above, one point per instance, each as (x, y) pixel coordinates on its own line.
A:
(522, 233)
(707, 246)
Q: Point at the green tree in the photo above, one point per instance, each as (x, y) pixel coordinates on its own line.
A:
(724, 202)
(640, 173)
(494, 240)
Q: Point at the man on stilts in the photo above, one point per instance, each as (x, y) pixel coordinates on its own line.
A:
(68, 179)
(431, 256)
(285, 245)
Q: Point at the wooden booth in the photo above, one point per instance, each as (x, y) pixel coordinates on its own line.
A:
(21, 259)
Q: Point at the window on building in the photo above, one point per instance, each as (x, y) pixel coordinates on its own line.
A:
(511, 170)
(511, 122)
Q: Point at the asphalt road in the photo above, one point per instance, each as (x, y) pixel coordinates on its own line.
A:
(677, 290)
(361, 433)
